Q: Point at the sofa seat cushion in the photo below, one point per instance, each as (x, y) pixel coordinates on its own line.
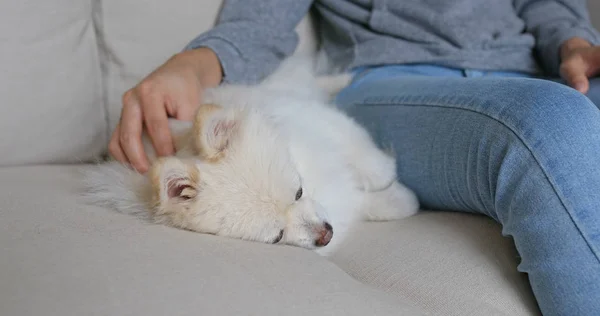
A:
(446, 263)
(62, 257)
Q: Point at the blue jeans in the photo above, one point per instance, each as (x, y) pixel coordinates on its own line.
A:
(524, 151)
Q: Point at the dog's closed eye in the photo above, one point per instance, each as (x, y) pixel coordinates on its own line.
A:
(299, 194)
(278, 238)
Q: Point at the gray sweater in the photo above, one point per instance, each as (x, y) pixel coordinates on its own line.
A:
(252, 37)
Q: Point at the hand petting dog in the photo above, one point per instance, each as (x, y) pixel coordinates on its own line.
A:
(173, 90)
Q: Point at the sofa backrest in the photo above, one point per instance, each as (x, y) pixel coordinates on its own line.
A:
(64, 66)
(50, 83)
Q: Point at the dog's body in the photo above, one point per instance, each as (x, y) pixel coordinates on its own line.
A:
(272, 163)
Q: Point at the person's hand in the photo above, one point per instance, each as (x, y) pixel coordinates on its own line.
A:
(172, 90)
(579, 61)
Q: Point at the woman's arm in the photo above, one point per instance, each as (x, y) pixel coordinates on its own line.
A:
(251, 37)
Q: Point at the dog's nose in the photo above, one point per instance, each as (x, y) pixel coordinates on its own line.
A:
(325, 235)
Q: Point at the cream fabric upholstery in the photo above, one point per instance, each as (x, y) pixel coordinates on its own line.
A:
(50, 84)
(446, 263)
(61, 257)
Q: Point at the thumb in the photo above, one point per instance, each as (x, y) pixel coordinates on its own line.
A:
(574, 71)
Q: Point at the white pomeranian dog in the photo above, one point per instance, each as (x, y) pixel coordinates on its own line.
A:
(273, 163)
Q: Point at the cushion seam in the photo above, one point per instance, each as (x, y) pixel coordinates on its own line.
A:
(103, 58)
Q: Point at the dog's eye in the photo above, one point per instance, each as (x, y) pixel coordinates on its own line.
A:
(299, 194)
(278, 238)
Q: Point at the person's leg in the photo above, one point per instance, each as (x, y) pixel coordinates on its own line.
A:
(526, 152)
(594, 92)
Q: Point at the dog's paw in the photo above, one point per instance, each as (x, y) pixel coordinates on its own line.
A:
(375, 171)
(395, 202)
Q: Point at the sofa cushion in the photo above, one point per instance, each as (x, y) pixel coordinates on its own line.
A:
(62, 257)
(446, 263)
(138, 36)
(50, 83)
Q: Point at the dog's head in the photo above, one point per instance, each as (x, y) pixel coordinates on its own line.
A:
(241, 182)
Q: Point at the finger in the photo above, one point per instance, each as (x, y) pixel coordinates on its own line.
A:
(580, 83)
(114, 147)
(130, 137)
(574, 71)
(593, 62)
(157, 124)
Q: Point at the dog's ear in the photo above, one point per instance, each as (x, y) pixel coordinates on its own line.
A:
(174, 180)
(214, 127)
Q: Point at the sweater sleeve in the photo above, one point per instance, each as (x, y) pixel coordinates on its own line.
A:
(252, 37)
(552, 22)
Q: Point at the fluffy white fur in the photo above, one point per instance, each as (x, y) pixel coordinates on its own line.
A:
(250, 153)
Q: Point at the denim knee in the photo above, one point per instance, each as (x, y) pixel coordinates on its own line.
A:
(536, 110)
(544, 114)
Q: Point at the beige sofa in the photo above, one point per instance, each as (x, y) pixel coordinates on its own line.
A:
(63, 68)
